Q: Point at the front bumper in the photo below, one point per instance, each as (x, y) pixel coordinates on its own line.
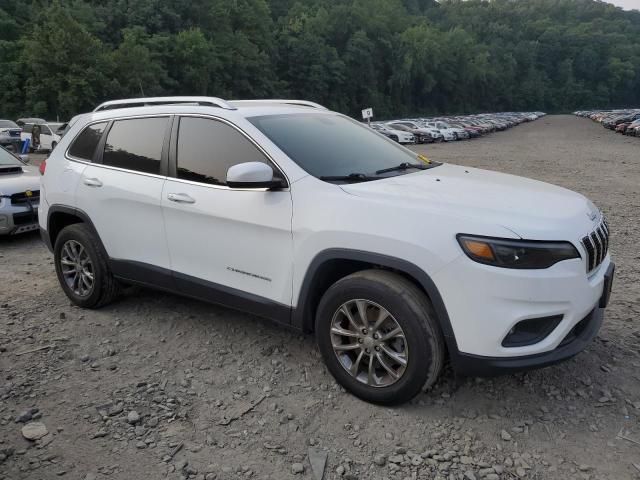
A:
(486, 303)
(578, 338)
(18, 219)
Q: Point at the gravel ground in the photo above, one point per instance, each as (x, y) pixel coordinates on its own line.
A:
(156, 386)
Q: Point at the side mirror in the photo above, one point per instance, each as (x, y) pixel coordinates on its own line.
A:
(252, 175)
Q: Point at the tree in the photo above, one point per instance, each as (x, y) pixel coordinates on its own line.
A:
(66, 67)
(400, 57)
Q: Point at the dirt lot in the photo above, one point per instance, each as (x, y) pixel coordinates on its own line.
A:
(157, 386)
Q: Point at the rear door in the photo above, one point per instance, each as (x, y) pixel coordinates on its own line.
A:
(121, 192)
(226, 244)
(46, 137)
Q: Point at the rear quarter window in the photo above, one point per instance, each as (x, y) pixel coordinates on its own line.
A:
(84, 145)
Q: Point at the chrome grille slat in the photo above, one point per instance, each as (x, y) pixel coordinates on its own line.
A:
(596, 245)
(604, 239)
(600, 239)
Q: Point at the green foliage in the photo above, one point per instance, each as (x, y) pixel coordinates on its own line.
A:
(401, 57)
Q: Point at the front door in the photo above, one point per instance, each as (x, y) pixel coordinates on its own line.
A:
(229, 245)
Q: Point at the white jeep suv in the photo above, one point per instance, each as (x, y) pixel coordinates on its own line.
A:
(287, 210)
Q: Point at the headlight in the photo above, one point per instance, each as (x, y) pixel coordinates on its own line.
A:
(521, 254)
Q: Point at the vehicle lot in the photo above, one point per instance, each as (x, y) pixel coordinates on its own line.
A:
(236, 397)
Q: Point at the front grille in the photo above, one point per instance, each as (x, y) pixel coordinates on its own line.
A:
(596, 245)
(22, 199)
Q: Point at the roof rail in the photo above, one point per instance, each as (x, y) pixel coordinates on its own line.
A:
(149, 101)
(300, 103)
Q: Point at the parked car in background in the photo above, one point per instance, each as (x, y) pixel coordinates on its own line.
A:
(19, 194)
(64, 128)
(633, 128)
(399, 136)
(458, 127)
(10, 135)
(626, 121)
(421, 134)
(24, 121)
(449, 133)
(48, 136)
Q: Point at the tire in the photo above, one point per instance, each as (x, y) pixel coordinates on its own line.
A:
(53, 145)
(104, 288)
(409, 308)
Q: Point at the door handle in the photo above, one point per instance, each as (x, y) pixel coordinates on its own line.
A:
(180, 198)
(92, 182)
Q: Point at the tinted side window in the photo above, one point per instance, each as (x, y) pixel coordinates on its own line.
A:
(136, 144)
(207, 148)
(84, 146)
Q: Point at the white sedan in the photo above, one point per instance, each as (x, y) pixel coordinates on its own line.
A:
(399, 136)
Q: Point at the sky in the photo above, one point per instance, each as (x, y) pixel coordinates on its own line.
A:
(626, 4)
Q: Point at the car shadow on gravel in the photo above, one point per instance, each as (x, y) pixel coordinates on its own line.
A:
(578, 382)
(7, 241)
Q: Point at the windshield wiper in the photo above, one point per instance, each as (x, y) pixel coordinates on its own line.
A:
(352, 177)
(403, 166)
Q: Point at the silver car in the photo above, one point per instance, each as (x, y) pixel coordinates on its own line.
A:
(19, 195)
(10, 135)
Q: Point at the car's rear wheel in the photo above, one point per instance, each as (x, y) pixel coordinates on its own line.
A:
(378, 336)
(53, 145)
(82, 268)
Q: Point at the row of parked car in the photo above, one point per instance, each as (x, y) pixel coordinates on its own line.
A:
(449, 129)
(14, 134)
(625, 121)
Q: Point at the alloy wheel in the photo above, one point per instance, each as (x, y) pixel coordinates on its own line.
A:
(77, 268)
(369, 343)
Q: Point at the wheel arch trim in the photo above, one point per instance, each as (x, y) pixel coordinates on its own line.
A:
(303, 316)
(76, 212)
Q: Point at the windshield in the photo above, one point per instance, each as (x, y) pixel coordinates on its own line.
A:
(6, 159)
(326, 145)
(8, 124)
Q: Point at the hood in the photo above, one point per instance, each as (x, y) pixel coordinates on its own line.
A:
(531, 209)
(19, 182)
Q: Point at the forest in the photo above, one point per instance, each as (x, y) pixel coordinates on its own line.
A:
(401, 57)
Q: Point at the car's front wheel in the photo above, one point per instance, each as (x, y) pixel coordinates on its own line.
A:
(82, 268)
(378, 335)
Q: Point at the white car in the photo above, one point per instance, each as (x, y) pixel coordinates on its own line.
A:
(399, 136)
(450, 134)
(421, 134)
(48, 136)
(284, 209)
(10, 135)
(19, 194)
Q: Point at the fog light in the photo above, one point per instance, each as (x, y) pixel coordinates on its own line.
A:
(531, 331)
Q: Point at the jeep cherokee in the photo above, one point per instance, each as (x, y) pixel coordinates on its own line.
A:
(286, 210)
